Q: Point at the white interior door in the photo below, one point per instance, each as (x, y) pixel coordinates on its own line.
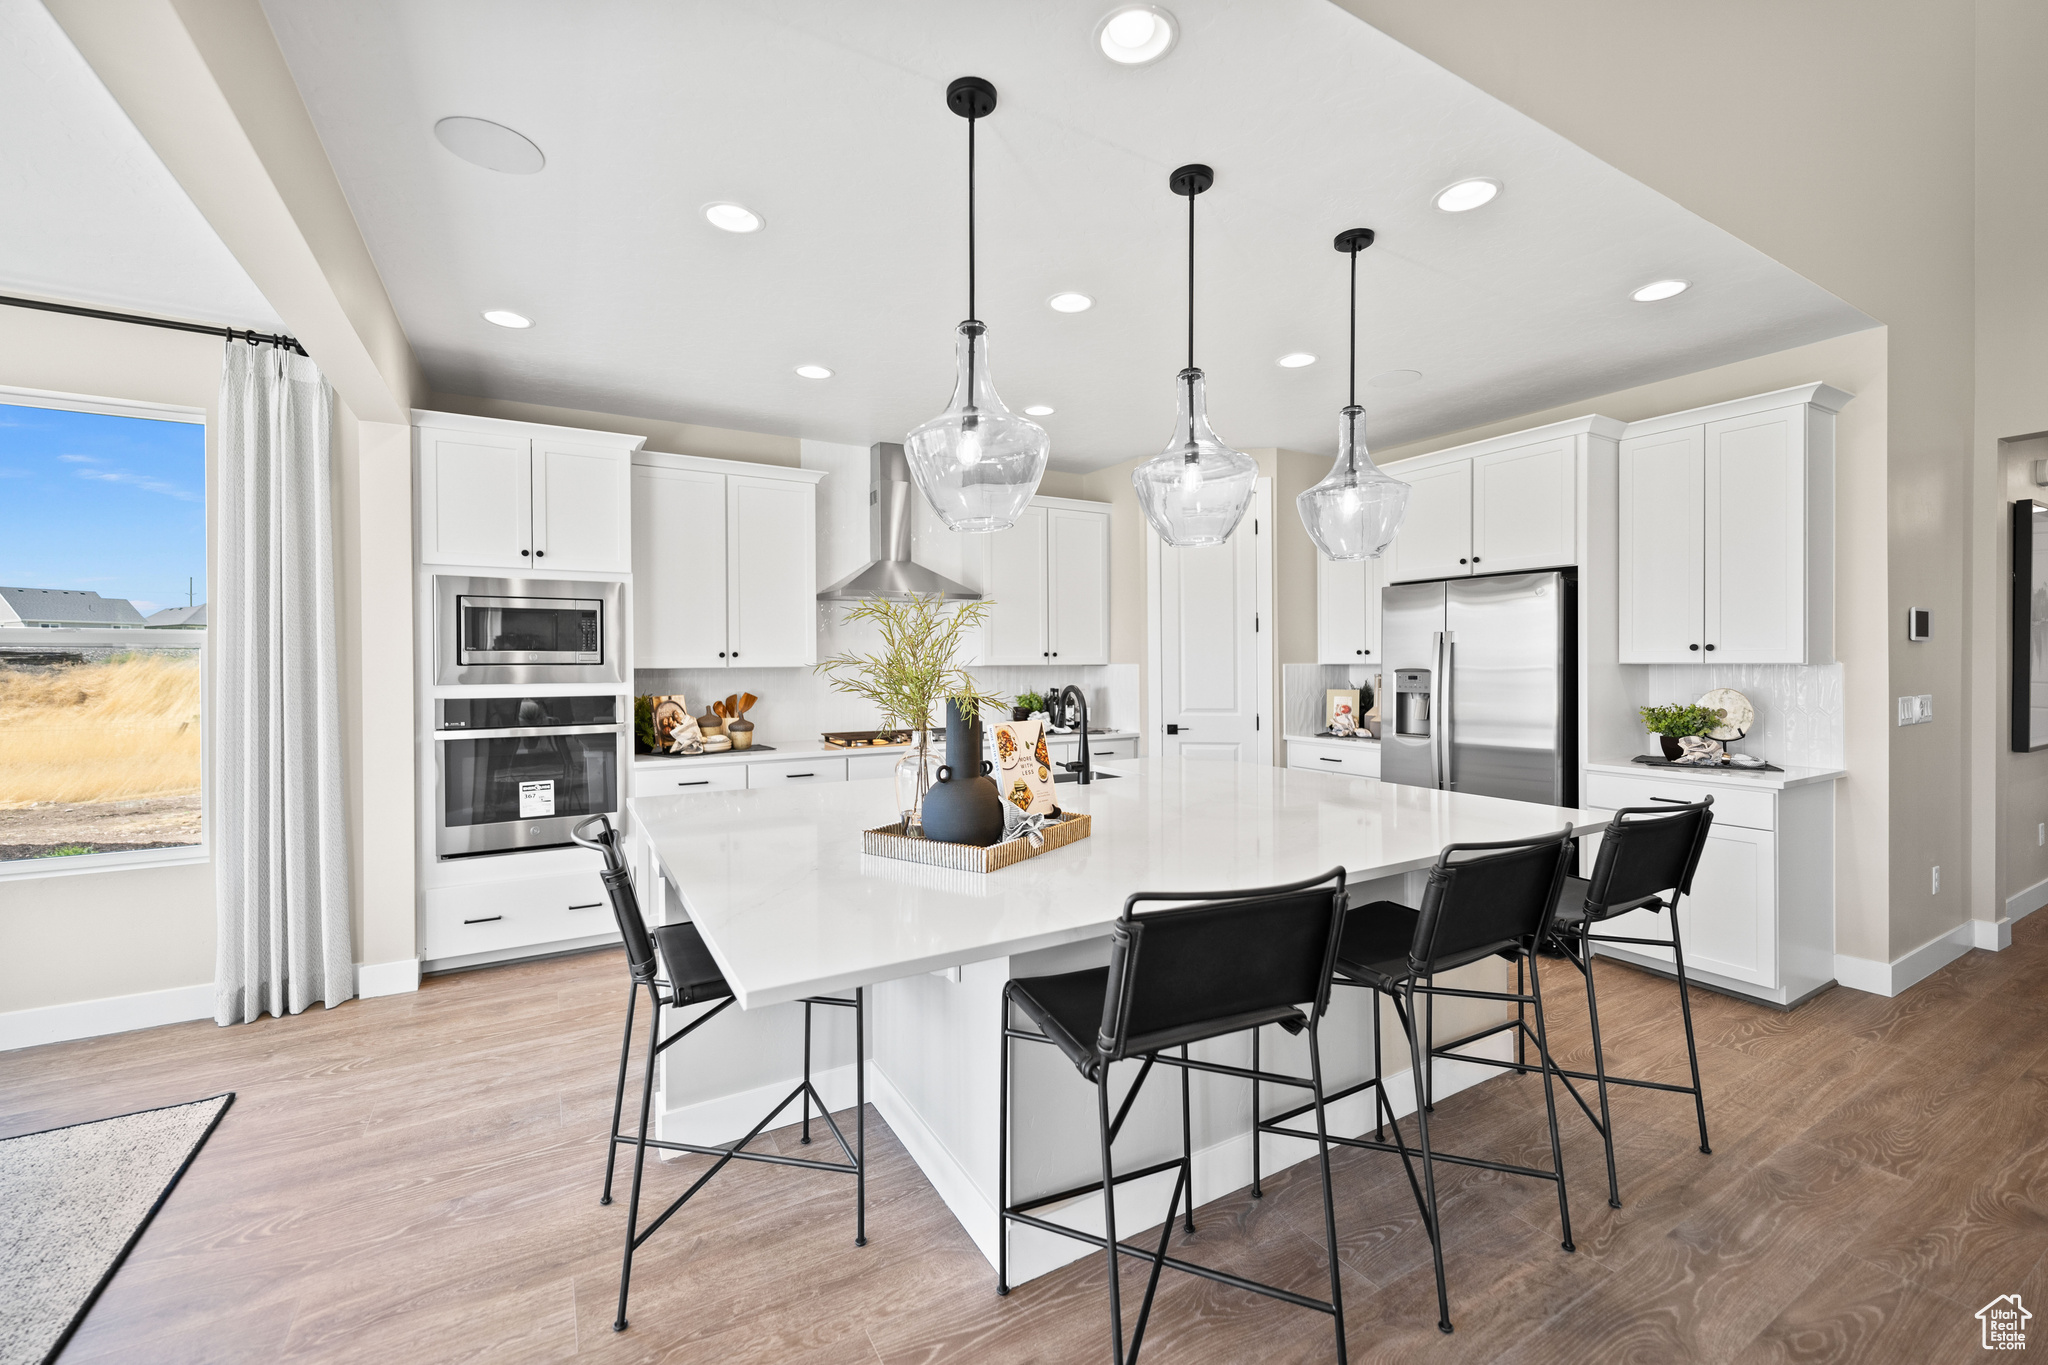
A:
(1209, 636)
(678, 568)
(771, 575)
(582, 508)
(1662, 519)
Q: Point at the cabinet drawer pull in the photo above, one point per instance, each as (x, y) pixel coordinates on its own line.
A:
(696, 782)
(799, 774)
(1672, 800)
(485, 920)
(588, 905)
(1320, 759)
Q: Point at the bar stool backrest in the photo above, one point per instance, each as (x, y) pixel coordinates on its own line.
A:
(1646, 852)
(1239, 959)
(1483, 899)
(618, 885)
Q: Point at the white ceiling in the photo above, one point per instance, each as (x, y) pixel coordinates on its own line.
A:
(87, 212)
(828, 119)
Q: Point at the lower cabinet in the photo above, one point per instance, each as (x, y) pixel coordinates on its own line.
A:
(681, 776)
(1761, 917)
(489, 917)
(1355, 758)
(796, 772)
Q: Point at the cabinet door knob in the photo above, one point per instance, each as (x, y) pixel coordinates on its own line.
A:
(524, 553)
(1475, 559)
(1358, 651)
(1692, 647)
(1709, 646)
(721, 654)
(1461, 561)
(540, 554)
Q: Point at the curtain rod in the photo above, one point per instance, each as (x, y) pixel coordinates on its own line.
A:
(253, 338)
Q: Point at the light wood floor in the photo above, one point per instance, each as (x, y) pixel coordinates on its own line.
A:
(415, 1179)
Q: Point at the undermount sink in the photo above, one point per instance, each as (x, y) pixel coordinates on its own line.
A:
(1100, 776)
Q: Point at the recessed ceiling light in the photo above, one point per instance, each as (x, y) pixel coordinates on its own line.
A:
(505, 317)
(1070, 303)
(1661, 289)
(733, 217)
(1038, 410)
(1466, 194)
(1132, 35)
(1294, 360)
(814, 371)
(490, 145)
(1395, 379)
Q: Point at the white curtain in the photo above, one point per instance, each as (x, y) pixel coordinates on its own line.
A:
(280, 846)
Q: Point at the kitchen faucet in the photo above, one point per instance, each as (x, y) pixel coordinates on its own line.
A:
(1063, 707)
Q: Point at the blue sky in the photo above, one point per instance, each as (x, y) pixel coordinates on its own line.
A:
(116, 505)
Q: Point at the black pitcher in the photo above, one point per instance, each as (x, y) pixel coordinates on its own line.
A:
(963, 806)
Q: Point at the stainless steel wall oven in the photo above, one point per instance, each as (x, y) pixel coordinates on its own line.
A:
(526, 630)
(517, 772)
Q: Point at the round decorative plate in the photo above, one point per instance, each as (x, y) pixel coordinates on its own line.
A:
(1737, 715)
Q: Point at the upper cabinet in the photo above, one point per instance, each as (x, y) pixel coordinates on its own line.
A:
(1348, 610)
(1504, 505)
(1726, 532)
(513, 495)
(724, 564)
(1048, 580)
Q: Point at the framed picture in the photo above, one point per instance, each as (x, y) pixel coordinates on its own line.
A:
(1341, 712)
(2029, 626)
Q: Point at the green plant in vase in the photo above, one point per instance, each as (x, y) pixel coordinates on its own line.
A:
(1028, 703)
(916, 672)
(1677, 721)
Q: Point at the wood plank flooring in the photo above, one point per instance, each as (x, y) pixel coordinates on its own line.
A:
(415, 1178)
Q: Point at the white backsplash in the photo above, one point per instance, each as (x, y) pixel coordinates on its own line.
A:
(1798, 706)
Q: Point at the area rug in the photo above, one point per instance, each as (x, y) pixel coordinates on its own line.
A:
(73, 1201)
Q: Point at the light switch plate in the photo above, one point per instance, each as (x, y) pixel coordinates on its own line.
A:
(1916, 710)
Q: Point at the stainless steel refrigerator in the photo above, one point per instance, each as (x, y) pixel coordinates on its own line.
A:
(1482, 686)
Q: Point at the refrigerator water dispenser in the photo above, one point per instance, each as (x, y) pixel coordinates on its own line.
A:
(1411, 703)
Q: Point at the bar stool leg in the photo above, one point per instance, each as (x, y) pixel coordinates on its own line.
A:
(1116, 1308)
(1379, 1071)
(1436, 1238)
(1187, 1142)
(611, 1146)
(1564, 1207)
(1315, 1065)
(1003, 1156)
(1429, 1050)
(1692, 1054)
(1257, 1118)
(1585, 965)
(806, 1138)
(639, 1160)
(860, 1116)
(1521, 1018)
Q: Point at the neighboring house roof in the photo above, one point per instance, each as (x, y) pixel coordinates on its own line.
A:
(178, 618)
(65, 607)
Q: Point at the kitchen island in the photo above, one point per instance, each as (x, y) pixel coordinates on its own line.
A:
(790, 906)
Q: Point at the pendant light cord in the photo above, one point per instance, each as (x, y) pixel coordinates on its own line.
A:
(1354, 328)
(1191, 281)
(970, 215)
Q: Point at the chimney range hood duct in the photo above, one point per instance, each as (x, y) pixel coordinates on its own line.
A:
(892, 572)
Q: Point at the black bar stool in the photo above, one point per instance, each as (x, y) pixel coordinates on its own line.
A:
(1481, 901)
(1239, 960)
(692, 978)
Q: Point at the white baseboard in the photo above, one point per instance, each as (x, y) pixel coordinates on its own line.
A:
(1904, 972)
(726, 1118)
(1992, 935)
(2020, 904)
(1219, 1168)
(387, 978)
(117, 1014)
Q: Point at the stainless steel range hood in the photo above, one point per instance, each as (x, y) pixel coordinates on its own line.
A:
(892, 572)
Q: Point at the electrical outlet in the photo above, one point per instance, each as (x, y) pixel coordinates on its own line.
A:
(1937, 880)
(2040, 836)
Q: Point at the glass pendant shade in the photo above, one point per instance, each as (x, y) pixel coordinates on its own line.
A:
(977, 463)
(1354, 512)
(1196, 490)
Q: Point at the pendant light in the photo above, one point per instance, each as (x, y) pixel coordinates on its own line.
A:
(1196, 490)
(977, 462)
(1354, 512)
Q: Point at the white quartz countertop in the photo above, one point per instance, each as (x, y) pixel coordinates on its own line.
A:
(811, 748)
(790, 906)
(1739, 777)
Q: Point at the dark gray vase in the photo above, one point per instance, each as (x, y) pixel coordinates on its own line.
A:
(963, 806)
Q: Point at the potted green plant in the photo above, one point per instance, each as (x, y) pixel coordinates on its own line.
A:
(916, 672)
(1674, 722)
(1028, 705)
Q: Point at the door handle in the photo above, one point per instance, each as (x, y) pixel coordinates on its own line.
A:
(1450, 679)
(1436, 708)
(1176, 729)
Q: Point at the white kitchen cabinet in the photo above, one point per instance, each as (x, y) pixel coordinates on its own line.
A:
(515, 495)
(1726, 535)
(1348, 610)
(724, 564)
(1525, 508)
(1760, 919)
(1352, 757)
(1048, 580)
(1435, 539)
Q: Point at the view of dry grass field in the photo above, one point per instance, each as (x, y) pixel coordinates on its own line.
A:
(99, 755)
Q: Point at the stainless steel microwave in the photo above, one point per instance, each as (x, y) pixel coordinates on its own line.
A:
(526, 630)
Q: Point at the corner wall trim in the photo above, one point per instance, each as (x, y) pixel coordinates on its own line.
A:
(116, 1014)
(1903, 973)
(387, 978)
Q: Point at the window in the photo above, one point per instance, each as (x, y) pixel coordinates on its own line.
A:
(102, 630)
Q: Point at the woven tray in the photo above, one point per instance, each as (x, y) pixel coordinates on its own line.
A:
(889, 842)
